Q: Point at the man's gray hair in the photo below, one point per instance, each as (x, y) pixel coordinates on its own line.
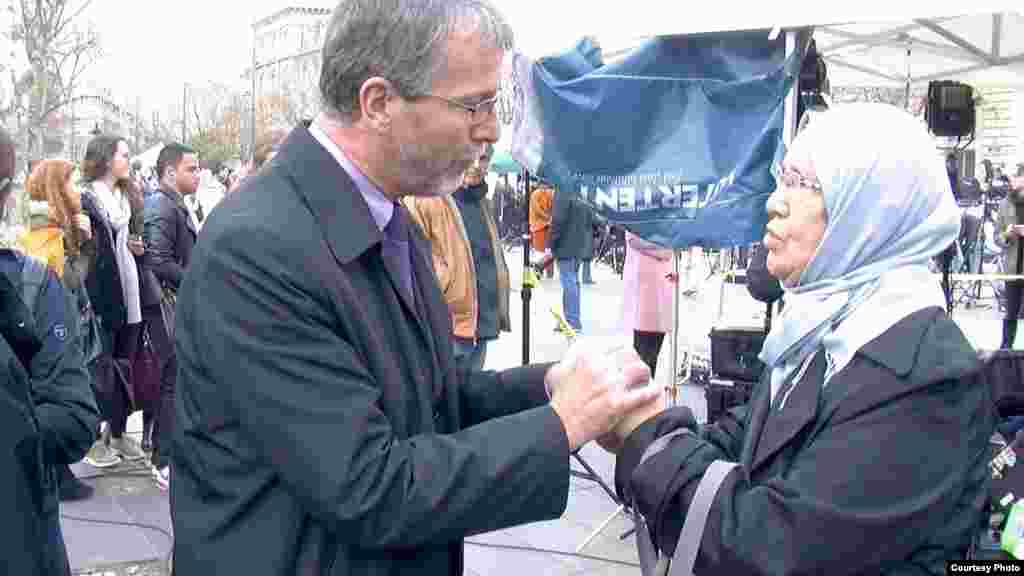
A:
(403, 41)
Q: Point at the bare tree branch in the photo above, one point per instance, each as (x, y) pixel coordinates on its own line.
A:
(58, 51)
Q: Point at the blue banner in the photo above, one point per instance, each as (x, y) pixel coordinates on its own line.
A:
(676, 141)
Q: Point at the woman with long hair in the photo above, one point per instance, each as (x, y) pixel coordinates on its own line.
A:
(57, 231)
(113, 280)
(57, 225)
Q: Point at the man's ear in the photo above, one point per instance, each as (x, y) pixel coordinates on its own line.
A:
(376, 103)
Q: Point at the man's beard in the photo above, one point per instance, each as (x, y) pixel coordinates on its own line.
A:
(422, 174)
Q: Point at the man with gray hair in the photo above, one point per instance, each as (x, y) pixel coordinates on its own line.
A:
(323, 427)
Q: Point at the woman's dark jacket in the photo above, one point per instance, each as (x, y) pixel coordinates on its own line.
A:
(882, 471)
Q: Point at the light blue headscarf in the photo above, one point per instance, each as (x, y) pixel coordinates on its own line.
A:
(890, 210)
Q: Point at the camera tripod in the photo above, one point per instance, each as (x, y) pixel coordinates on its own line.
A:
(589, 473)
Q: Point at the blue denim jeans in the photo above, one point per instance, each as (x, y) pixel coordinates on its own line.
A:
(469, 356)
(568, 274)
(586, 278)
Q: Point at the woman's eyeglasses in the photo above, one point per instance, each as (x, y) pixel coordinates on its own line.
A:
(793, 179)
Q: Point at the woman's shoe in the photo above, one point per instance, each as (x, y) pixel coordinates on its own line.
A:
(127, 448)
(102, 456)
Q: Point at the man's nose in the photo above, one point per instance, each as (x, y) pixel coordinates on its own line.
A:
(488, 131)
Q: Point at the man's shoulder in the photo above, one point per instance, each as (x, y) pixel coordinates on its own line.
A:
(268, 210)
(156, 203)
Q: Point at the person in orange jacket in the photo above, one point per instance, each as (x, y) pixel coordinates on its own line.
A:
(542, 201)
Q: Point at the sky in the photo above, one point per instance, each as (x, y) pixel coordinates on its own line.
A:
(152, 53)
(152, 47)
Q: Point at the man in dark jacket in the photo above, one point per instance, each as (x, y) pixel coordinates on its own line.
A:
(170, 235)
(47, 408)
(323, 427)
(571, 241)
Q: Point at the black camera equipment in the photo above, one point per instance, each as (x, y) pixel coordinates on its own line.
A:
(812, 82)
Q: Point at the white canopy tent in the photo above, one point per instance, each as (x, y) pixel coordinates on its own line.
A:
(149, 157)
(980, 48)
(866, 43)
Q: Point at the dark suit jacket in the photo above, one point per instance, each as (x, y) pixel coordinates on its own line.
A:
(170, 236)
(322, 426)
(884, 471)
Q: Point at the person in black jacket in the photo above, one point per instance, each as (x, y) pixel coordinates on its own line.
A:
(865, 446)
(170, 235)
(42, 374)
(1010, 237)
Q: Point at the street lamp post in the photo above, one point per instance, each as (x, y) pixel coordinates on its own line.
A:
(252, 124)
(184, 112)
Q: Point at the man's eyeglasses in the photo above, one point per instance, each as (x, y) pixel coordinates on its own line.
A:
(477, 112)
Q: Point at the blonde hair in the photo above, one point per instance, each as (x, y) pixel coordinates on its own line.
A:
(50, 182)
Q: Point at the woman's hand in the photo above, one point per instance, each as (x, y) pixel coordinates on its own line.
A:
(81, 221)
(613, 441)
(136, 246)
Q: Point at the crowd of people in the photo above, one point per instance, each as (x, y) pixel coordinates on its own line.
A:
(319, 403)
(90, 286)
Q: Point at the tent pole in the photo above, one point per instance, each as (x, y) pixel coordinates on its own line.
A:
(789, 119)
(674, 373)
(906, 90)
(526, 291)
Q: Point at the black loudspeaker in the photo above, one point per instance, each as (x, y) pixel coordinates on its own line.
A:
(950, 108)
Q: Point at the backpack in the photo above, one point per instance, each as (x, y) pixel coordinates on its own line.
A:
(33, 277)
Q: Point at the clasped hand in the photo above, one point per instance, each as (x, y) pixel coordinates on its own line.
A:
(602, 395)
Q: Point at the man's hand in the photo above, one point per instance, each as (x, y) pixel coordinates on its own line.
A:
(593, 400)
(621, 355)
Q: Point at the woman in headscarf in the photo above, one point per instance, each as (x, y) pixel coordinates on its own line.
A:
(113, 283)
(864, 447)
(1010, 231)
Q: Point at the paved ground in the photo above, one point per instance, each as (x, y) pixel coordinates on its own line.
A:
(127, 496)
